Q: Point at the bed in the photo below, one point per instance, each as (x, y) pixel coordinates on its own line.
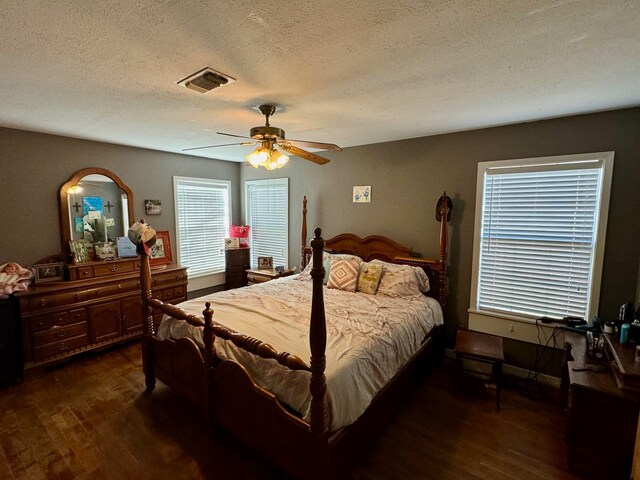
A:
(285, 391)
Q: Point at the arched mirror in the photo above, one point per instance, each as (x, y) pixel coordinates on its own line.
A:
(95, 207)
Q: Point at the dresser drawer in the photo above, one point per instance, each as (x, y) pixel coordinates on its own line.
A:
(59, 334)
(167, 278)
(44, 302)
(60, 348)
(44, 322)
(113, 268)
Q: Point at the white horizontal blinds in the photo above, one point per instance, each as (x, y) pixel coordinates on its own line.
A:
(268, 216)
(538, 238)
(203, 224)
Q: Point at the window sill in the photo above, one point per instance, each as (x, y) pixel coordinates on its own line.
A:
(516, 328)
(205, 281)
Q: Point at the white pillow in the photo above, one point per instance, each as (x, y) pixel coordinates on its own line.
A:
(402, 280)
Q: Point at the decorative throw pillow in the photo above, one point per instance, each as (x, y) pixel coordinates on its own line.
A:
(343, 274)
(402, 280)
(369, 278)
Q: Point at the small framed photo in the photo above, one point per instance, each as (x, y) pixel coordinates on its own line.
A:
(80, 249)
(265, 263)
(105, 250)
(161, 252)
(49, 272)
(152, 207)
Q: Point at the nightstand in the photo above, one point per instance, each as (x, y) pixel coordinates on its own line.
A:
(261, 276)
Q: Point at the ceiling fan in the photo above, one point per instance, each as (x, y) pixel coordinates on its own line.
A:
(268, 138)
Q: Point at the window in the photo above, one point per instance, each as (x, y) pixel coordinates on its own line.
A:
(539, 236)
(267, 212)
(203, 211)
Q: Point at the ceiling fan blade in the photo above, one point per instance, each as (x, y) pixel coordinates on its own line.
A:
(298, 152)
(319, 145)
(214, 146)
(232, 135)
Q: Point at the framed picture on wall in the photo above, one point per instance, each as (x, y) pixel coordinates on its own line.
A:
(161, 252)
(153, 207)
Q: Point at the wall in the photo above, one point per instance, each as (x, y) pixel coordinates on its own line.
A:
(408, 176)
(33, 166)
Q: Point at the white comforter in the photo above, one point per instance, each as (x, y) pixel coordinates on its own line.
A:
(369, 337)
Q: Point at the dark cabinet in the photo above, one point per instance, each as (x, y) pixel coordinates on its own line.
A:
(238, 261)
(11, 356)
(105, 321)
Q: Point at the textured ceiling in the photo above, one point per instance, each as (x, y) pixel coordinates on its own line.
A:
(345, 72)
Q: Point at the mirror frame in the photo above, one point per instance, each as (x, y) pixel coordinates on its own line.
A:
(65, 217)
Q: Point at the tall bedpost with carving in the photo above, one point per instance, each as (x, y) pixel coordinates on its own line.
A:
(444, 215)
(208, 337)
(303, 257)
(147, 319)
(318, 340)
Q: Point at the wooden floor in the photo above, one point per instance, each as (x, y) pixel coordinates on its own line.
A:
(90, 419)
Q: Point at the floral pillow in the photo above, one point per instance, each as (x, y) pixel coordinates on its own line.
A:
(402, 280)
(343, 274)
(369, 278)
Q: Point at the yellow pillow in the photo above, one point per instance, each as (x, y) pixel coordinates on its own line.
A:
(369, 278)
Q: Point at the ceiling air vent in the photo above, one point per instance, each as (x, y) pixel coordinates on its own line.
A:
(205, 80)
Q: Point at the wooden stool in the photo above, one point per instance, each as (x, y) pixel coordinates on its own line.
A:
(481, 347)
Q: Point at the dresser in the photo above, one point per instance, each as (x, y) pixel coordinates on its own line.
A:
(11, 357)
(237, 261)
(61, 319)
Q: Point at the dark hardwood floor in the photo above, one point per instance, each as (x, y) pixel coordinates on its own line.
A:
(89, 419)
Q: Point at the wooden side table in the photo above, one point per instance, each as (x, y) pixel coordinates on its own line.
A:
(261, 276)
(484, 348)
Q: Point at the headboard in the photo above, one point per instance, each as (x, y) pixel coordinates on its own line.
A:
(383, 248)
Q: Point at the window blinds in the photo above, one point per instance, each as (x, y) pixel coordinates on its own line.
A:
(538, 238)
(203, 223)
(268, 215)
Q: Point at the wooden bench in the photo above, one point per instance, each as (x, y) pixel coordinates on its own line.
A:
(484, 348)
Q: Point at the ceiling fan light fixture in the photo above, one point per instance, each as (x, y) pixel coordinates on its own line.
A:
(260, 156)
(280, 158)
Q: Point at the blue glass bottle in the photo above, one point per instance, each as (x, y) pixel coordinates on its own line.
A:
(624, 333)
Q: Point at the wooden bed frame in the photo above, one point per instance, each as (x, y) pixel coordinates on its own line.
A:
(229, 399)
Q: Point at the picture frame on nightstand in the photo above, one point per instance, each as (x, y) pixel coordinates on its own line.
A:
(265, 263)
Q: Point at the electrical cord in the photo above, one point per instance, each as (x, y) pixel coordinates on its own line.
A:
(537, 368)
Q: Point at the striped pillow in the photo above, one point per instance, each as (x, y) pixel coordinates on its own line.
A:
(343, 274)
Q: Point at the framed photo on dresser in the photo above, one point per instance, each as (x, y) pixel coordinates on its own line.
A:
(161, 252)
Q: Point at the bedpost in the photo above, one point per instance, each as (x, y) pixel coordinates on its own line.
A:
(208, 337)
(303, 257)
(318, 340)
(444, 216)
(147, 319)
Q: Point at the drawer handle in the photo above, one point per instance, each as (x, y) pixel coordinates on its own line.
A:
(76, 296)
(63, 347)
(139, 285)
(62, 334)
(113, 268)
(85, 273)
(99, 292)
(43, 302)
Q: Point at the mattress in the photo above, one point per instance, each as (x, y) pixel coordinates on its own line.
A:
(369, 338)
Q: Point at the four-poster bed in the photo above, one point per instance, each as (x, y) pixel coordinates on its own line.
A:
(302, 444)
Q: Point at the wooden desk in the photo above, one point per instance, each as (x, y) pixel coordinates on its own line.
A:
(601, 417)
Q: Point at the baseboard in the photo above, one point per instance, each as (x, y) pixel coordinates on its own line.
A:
(547, 380)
